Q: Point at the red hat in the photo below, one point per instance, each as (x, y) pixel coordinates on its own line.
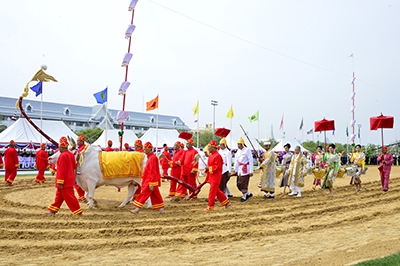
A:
(43, 145)
(177, 143)
(181, 144)
(138, 142)
(82, 137)
(213, 143)
(126, 144)
(148, 145)
(190, 141)
(12, 143)
(109, 142)
(384, 148)
(63, 142)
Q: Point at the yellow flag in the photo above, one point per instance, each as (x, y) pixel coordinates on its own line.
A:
(230, 113)
(196, 109)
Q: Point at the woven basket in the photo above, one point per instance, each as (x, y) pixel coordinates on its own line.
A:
(341, 172)
(319, 173)
(279, 171)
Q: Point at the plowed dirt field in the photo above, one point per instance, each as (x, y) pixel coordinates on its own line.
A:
(312, 230)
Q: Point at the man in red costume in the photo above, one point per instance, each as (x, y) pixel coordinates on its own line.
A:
(65, 180)
(139, 148)
(165, 159)
(109, 147)
(81, 146)
(1, 161)
(150, 182)
(138, 145)
(127, 148)
(175, 168)
(189, 168)
(11, 164)
(42, 163)
(214, 174)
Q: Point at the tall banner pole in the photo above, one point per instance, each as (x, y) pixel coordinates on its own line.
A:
(126, 79)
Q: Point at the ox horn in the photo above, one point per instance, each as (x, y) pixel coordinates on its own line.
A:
(72, 142)
(160, 156)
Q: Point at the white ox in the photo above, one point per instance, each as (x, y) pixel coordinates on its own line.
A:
(91, 176)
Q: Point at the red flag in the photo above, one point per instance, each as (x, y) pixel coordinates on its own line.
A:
(153, 104)
(281, 125)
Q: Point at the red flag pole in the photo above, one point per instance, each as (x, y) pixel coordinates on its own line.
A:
(126, 79)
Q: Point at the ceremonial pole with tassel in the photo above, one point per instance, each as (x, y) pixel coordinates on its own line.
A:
(126, 64)
(39, 76)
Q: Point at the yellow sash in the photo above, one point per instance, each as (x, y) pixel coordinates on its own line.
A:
(121, 164)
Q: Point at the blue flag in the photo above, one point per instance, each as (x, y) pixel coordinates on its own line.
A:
(101, 97)
(37, 88)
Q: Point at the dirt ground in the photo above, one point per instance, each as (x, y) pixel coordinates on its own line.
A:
(313, 230)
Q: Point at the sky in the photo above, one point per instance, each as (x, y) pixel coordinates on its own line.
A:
(283, 58)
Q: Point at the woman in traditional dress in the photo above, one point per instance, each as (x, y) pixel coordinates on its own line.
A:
(332, 161)
(317, 160)
(286, 157)
(358, 160)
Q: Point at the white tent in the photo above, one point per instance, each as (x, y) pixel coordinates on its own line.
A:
(23, 133)
(293, 143)
(167, 136)
(112, 134)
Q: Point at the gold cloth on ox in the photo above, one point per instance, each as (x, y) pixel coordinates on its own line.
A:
(121, 164)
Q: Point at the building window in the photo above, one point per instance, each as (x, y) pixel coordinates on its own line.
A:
(67, 111)
(174, 122)
(29, 108)
(152, 120)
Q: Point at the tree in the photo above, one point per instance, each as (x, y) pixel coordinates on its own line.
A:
(204, 138)
(91, 134)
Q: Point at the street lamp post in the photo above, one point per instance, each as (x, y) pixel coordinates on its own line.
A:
(214, 103)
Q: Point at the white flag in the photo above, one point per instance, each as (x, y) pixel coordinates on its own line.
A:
(132, 5)
(129, 31)
(124, 86)
(122, 116)
(127, 59)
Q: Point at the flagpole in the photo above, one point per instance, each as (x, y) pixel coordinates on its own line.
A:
(198, 131)
(157, 127)
(231, 135)
(106, 116)
(347, 149)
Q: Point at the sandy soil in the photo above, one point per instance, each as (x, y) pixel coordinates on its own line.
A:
(312, 230)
